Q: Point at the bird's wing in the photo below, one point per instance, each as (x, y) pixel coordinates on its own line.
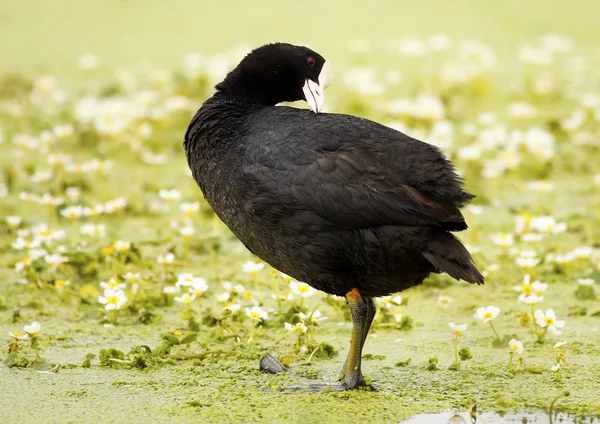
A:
(349, 187)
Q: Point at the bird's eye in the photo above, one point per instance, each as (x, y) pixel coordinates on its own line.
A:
(310, 61)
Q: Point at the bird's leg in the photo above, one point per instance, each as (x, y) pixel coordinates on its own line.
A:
(370, 315)
(362, 310)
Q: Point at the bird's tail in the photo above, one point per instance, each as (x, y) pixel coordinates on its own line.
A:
(449, 255)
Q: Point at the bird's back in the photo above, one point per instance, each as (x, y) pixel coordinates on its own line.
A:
(326, 197)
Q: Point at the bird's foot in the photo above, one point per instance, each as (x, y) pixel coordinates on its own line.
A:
(317, 387)
(320, 387)
(271, 364)
(354, 379)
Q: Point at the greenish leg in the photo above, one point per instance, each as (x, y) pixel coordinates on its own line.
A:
(362, 310)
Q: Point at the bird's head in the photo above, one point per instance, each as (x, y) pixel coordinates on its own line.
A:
(280, 72)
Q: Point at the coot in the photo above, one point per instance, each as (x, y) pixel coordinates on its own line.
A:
(349, 206)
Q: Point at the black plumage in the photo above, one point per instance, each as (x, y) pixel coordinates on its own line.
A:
(337, 201)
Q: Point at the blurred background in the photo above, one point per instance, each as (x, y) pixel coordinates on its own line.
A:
(49, 36)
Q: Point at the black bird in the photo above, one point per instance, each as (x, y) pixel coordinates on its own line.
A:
(349, 206)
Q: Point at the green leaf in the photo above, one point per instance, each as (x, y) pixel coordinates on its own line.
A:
(11, 359)
(465, 354)
(41, 366)
(104, 356)
(189, 338)
(286, 360)
(404, 363)
(173, 340)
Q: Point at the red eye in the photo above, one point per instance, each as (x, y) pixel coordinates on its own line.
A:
(310, 61)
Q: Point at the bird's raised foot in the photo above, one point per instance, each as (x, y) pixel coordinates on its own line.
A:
(270, 364)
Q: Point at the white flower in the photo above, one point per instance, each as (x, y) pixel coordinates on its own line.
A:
(170, 289)
(55, 260)
(299, 327)
(167, 259)
(32, 329)
(112, 284)
(19, 336)
(315, 317)
(187, 231)
(199, 286)
(476, 53)
(474, 210)
(581, 252)
(547, 224)
(556, 367)
(502, 239)
(532, 299)
(559, 345)
(532, 237)
(189, 208)
(539, 288)
(389, 302)
(97, 210)
(63, 131)
(131, 277)
(170, 195)
(541, 186)
(93, 230)
(72, 212)
(428, 107)
(535, 55)
(115, 205)
(522, 110)
(113, 299)
(525, 288)
(439, 42)
(185, 279)
(487, 314)
(515, 346)
(457, 329)
(73, 193)
(490, 269)
(233, 308)
(42, 176)
(548, 320)
(252, 267)
(223, 297)
(193, 63)
(444, 301)
(586, 281)
(44, 234)
(185, 298)
(121, 246)
(410, 46)
(21, 243)
(257, 313)
(527, 260)
(14, 221)
(557, 43)
(301, 289)
(88, 62)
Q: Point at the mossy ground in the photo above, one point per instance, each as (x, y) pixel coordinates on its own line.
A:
(225, 385)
